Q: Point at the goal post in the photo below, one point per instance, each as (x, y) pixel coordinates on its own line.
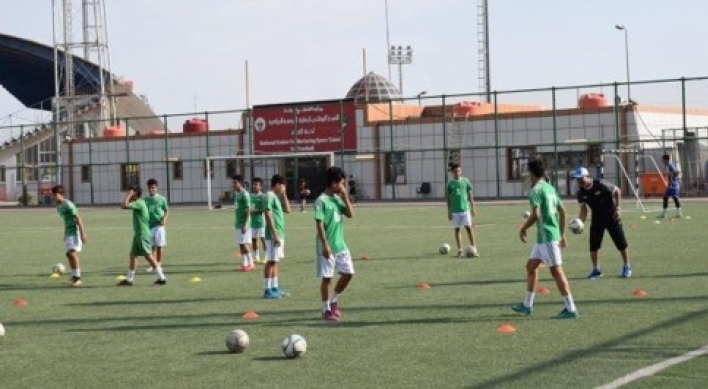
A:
(219, 169)
(635, 184)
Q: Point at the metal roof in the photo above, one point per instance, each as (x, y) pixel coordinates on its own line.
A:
(27, 72)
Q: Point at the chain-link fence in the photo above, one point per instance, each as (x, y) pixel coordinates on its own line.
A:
(393, 150)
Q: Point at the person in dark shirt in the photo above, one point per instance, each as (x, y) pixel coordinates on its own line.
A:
(604, 200)
(673, 187)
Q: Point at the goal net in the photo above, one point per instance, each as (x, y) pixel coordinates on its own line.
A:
(295, 167)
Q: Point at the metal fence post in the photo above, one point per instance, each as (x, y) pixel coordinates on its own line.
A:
(555, 138)
(168, 179)
(497, 146)
(390, 158)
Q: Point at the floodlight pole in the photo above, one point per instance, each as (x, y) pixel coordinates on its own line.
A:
(626, 55)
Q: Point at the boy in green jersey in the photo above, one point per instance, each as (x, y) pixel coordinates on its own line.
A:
(257, 220)
(332, 252)
(276, 205)
(548, 214)
(460, 202)
(142, 242)
(159, 212)
(74, 232)
(242, 224)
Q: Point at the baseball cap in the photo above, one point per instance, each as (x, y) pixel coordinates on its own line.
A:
(580, 172)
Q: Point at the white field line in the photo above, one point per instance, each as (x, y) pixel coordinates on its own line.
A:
(655, 368)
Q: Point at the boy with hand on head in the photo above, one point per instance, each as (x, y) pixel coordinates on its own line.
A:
(142, 240)
(332, 252)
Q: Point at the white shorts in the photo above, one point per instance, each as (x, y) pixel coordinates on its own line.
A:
(158, 236)
(274, 254)
(339, 262)
(72, 243)
(549, 253)
(242, 238)
(258, 233)
(461, 219)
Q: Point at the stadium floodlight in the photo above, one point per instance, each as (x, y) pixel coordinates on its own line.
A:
(263, 165)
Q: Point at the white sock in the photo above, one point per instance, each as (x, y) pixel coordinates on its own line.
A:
(334, 298)
(257, 255)
(269, 283)
(663, 213)
(325, 306)
(266, 283)
(76, 273)
(160, 274)
(569, 304)
(678, 210)
(528, 300)
(275, 282)
(244, 259)
(131, 275)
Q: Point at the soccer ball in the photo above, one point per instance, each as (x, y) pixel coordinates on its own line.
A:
(237, 341)
(2, 330)
(576, 225)
(444, 249)
(526, 214)
(294, 346)
(59, 268)
(471, 252)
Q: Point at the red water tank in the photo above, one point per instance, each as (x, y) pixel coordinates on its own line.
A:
(113, 132)
(195, 125)
(467, 108)
(592, 100)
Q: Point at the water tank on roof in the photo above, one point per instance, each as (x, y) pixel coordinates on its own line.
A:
(467, 108)
(195, 125)
(592, 100)
(113, 132)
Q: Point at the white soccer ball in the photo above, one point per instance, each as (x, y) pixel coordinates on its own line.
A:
(444, 248)
(59, 268)
(2, 330)
(576, 225)
(471, 252)
(294, 346)
(526, 214)
(237, 341)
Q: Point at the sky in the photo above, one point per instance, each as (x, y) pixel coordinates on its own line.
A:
(187, 55)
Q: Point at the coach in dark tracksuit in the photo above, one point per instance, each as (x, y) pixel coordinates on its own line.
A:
(604, 200)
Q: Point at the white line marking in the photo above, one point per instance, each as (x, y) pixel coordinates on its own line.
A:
(653, 369)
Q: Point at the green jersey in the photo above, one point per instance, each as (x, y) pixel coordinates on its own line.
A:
(141, 217)
(329, 211)
(157, 207)
(458, 193)
(242, 203)
(272, 204)
(258, 201)
(545, 197)
(67, 211)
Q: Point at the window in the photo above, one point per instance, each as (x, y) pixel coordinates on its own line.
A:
(86, 173)
(2, 173)
(395, 167)
(129, 175)
(211, 169)
(177, 171)
(231, 168)
(516, 160)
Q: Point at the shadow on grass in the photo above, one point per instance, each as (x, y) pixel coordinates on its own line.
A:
(571, 357)
(270, 359)
(161, 302)
(215, 352)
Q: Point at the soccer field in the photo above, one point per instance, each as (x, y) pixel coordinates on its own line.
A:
(392, 333)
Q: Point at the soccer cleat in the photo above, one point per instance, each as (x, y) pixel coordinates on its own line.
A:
(125, 283)
(75, 281)
(245, 269)
(594, 274)
(160, 282)
(150, 270)
(279, 292)
(626, 271)
(271, 294)
(522, 309)
(565, 314)
(328, 315)
(334, 308)
(459, 253)
(250, 268)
